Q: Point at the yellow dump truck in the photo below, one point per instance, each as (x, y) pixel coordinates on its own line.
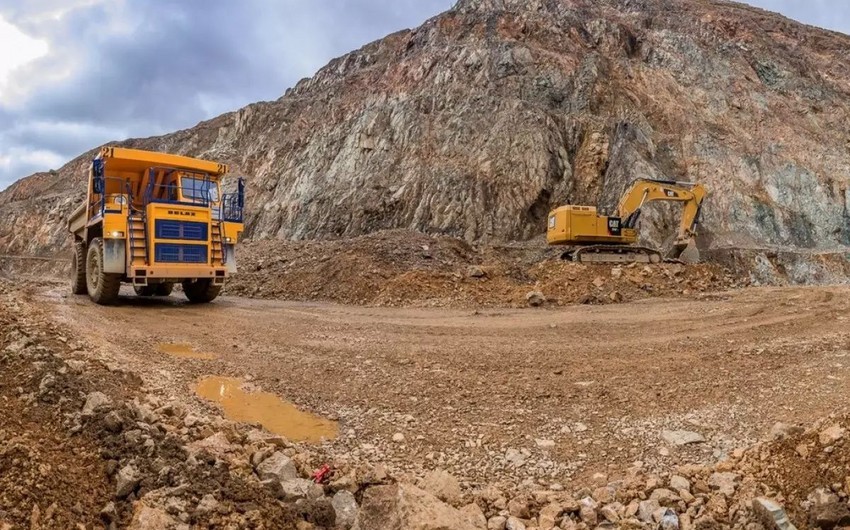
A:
(153, 220)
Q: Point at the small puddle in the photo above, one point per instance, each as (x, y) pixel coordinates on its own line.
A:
(184, 351)
(273, 413)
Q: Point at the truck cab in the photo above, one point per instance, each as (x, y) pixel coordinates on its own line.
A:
(153, 220)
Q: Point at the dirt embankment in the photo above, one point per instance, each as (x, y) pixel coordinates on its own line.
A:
(400, 268)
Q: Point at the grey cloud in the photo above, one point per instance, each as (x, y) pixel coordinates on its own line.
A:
(145, 67)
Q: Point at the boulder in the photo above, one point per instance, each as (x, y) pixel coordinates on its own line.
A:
(829, 515)
(406, 506)
(345, 507)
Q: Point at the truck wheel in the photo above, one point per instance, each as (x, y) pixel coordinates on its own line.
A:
(78, 269)
(201, 291)
(164, 289)
(145, 290)
(103, 287)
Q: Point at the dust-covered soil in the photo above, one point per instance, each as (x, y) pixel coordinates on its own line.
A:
(509, 401)
(518, 399)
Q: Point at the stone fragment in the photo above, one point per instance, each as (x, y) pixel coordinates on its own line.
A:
(345, 507)
(497, 523)
(126, 481)
(474, 515)
(781, 430)
(207, 505)
(406, 506)
(669, 521)
(296, 488)
(646, 509)
(149, 518)
(442, 485)
(96, 401)
(277, 467)
(679, 483)
(831, 434)
(682, 437)
(772, 515)
(514, 523)
(549, 516)
(723, 482)
(535, 298)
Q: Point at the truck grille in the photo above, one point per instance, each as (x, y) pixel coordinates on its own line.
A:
(173, 253)
(188, 230)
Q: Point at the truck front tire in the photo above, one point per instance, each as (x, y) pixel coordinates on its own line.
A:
(78, 269)
(103, 287)
(201, 291)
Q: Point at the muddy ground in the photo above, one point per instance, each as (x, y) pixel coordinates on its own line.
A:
(519, 398)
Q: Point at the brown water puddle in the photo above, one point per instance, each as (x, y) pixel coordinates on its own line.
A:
(184, 351)
(273, 413)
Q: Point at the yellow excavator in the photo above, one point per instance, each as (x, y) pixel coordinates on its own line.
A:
(592, 237)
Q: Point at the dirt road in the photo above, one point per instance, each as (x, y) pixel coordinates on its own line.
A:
(493, 394)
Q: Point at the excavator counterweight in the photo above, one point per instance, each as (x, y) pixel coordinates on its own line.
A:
(591, 237)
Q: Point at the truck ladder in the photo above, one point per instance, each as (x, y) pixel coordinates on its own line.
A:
(217, 246)
(138, 236)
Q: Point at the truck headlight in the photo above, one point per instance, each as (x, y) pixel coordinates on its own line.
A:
(228, 240)
(117, 234)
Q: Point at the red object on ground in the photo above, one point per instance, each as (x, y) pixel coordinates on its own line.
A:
(323, 474)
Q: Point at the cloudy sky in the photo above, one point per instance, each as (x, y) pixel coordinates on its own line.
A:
(77, 73)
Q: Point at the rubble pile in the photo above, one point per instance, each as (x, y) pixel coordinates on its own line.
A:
(397, 268)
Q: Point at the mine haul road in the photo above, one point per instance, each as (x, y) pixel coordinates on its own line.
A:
(465, 386)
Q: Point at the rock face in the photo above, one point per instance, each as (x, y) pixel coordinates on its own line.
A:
(478, 122)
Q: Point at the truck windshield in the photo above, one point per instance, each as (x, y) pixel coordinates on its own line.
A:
(198, 189)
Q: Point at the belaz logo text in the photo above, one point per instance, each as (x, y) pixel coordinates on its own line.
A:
(181, 213)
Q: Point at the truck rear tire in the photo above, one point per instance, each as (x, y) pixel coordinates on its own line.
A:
(103, 287)
(201, 291)
(164, 289)
(78, 269)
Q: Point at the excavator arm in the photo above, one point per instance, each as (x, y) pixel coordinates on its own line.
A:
(642, 191)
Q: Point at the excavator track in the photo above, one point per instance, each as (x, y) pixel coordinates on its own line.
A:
(612, 254)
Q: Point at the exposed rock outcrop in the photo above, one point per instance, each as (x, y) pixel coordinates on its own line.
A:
(479, 121)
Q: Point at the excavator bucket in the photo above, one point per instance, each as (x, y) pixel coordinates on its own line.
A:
(685, 251)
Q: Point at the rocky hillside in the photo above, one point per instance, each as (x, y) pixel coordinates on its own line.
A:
(476, 123)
